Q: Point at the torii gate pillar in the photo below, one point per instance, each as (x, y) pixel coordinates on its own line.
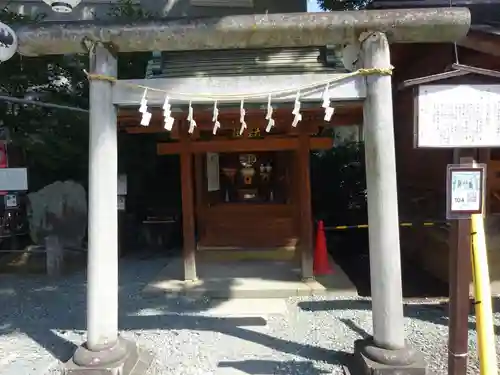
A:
(104, 352)
(386, 352)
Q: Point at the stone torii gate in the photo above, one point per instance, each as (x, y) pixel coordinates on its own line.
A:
(105, 352)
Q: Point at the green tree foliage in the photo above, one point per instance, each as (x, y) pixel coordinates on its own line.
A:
(55, 142)
(50, 140)
(343, 4)
(339, 184)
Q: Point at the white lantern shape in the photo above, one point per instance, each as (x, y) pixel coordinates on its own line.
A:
(62, 6)
(8, 42)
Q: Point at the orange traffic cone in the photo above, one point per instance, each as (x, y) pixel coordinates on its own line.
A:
(321, 265)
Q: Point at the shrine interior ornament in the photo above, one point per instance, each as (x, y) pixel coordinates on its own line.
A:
(8, 42)
(265, 171)
(247, 161)
(229, 173)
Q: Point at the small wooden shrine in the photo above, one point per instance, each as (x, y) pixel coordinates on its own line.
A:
(246, 188)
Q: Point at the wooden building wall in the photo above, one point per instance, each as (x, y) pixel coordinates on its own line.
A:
(422, 172)
(422, 169)
(425, 168)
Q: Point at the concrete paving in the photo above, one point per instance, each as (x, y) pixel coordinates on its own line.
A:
(248, 279)
(248, 307)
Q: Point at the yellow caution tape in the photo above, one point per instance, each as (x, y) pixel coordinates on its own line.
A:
(404, 224)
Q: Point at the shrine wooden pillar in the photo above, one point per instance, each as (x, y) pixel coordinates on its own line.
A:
(304, 195)
(199, 189)
(188, 221)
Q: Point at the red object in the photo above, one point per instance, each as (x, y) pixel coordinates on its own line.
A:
(3, 155)
(4, 161)
(321, 265)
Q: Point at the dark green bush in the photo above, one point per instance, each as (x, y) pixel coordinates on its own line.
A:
(338, 184)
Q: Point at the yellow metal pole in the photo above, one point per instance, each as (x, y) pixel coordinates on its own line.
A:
(482, 295)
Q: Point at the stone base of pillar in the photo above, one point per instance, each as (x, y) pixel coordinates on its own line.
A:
(125, 358)
(373, 360)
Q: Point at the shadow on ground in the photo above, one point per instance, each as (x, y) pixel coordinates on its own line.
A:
(351, 252)
(45, 310)
(435, 312)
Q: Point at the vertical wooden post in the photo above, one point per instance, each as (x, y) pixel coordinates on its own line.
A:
(459, 281)
(306, 220)
(484, 156)
(295, 200)
(199, 186)
(188, 223)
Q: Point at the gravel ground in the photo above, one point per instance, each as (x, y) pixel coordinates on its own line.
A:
(42, 321)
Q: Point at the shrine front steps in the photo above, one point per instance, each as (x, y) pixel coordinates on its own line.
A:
(247, 279)
(234, 254)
